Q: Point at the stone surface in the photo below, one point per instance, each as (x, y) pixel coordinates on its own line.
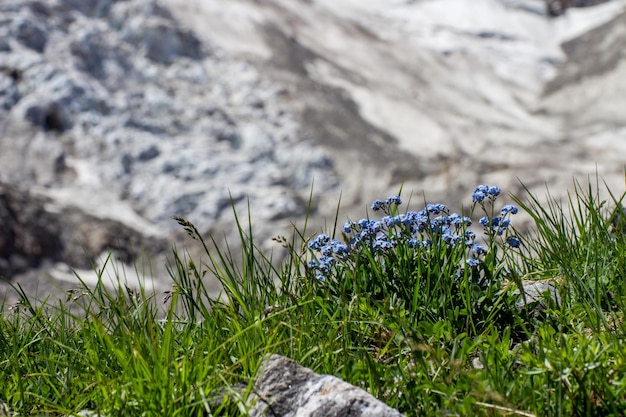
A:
(286, 389)
(34, 230)
(536, 297)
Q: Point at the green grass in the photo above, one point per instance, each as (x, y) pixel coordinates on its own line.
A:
(411, 322)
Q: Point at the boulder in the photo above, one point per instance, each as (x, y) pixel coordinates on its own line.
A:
(285, 389)
(33, 230)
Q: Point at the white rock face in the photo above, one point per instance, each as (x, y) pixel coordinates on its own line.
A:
(453, 92)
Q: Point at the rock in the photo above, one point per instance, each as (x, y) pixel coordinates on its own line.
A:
(286, 389)
(34, 230)
(26, 235)
(30, 34)
(537, 297)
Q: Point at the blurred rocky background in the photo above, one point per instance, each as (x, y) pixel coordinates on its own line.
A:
(117, 115)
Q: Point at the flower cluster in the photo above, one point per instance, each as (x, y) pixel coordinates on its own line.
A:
(386, 205)
(499, 224)
(485, 191)
(415, 229)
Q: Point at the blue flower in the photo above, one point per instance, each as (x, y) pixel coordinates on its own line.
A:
(327, 250)
(394, 199)
(482, 191)
(473, 262)
(414, 243)
(513, 242)
(478, 196)
(366, 234)
(342, 249)
(377, 205)
(385, 205)
(509, 208)
(320, 241)
(494, 191)
(435, 208)
(484, 221)
(478, 249)
(347, 227)
(364, 223)
(322, 266)
(450, 238)
(454, 220)
(406, 220)
(382, 244)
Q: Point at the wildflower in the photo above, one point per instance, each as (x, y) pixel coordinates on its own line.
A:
(377, 205)
(469, 237)
(326, 262)
(366, 234)
(406, 220)
(436, 223)
(327, 250)
(478, 249)
(364, 223)
(450, 238)
(478, 196)
(484, 221)
(454, 220)
(472, 262)
(394, 199)
(435, 208)
(390, 221)
(419, 227)
(385, 205)
(313, 264)
(382, 244)
(347, 227)
(342, 249)
(494, 191)
(320, 241)
(513, 242)
(509, 208)
(414, 243)
(482, 191)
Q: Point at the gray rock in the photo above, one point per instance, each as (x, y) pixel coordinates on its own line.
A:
(33, 230)
(286, 389)
(30, 34)
(537, 296)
